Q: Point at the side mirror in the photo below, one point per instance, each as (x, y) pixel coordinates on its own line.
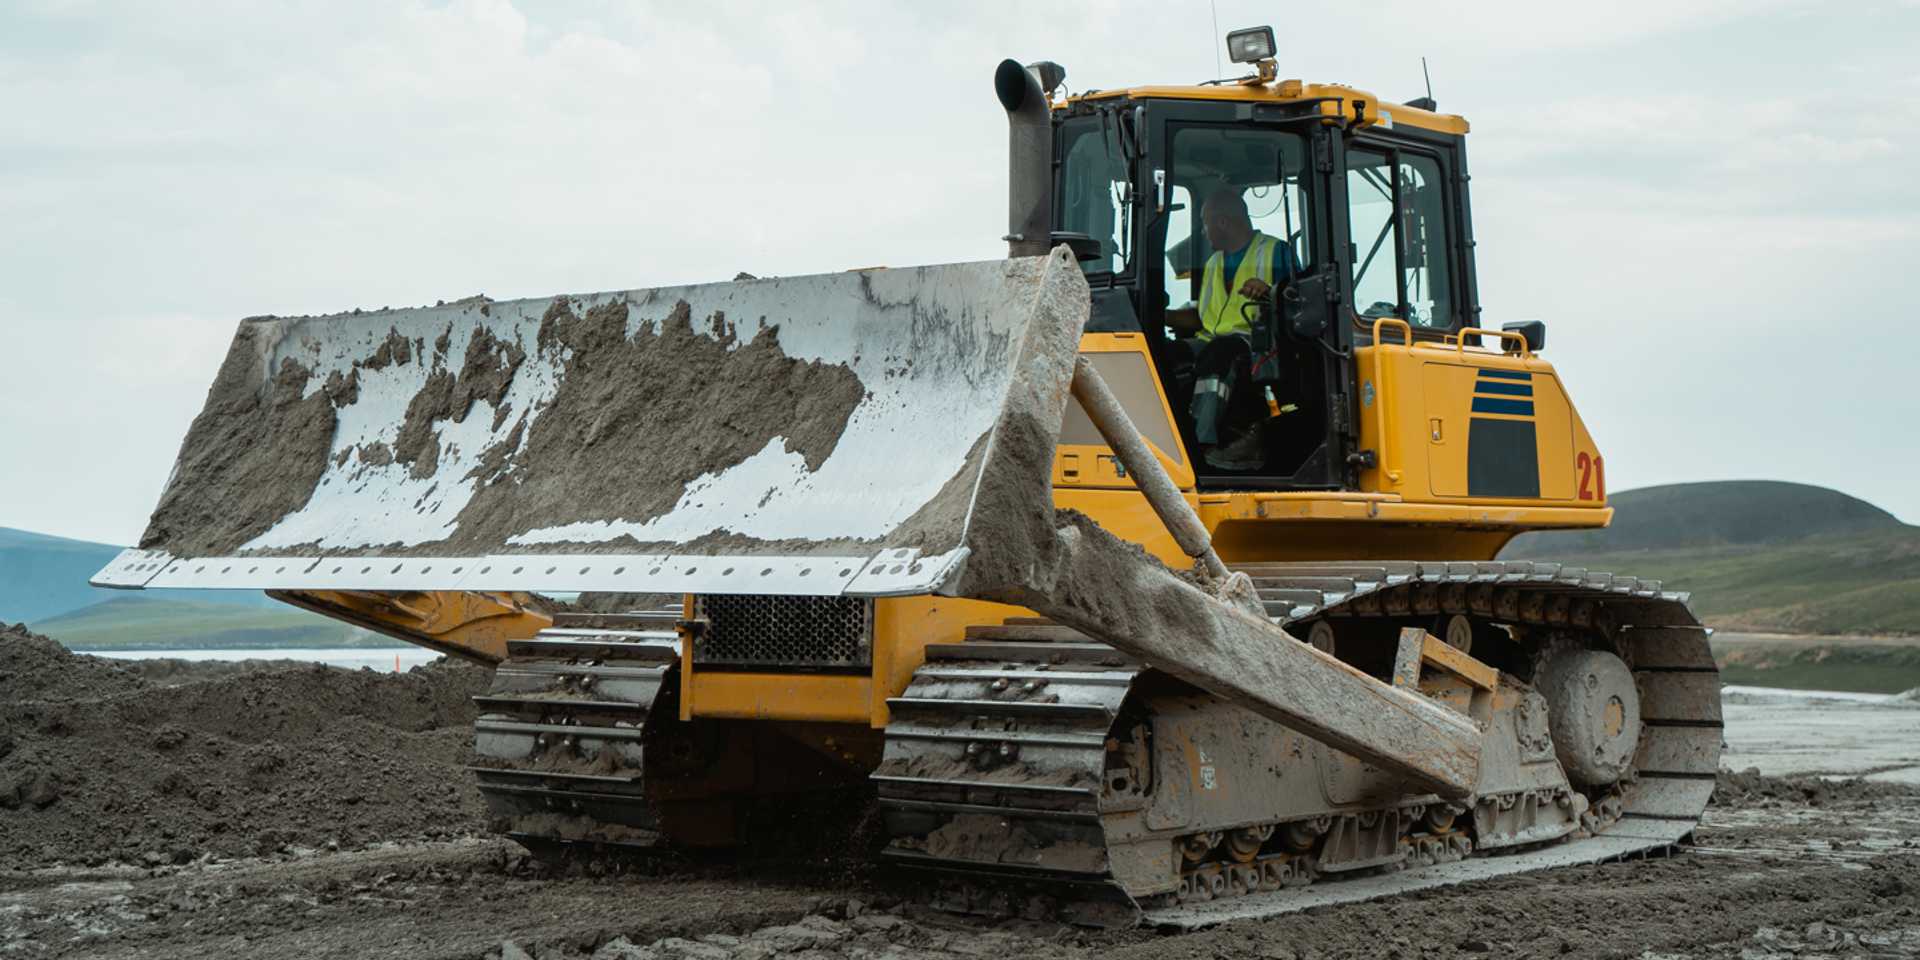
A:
(1533, 331)
(1084, 247)
(1306, 307)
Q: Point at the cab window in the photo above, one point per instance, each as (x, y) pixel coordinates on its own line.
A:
(1182, 273)
(1396, 209)
(1265, 167)
(1093, 190)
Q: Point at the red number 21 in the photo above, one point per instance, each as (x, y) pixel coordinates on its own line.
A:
(1593, 476)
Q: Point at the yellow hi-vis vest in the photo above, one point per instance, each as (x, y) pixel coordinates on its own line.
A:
(1221, 304)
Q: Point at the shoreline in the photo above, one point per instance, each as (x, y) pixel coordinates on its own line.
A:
(155, 651)
(1732, 635)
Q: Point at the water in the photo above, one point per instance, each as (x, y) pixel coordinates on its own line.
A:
(352, 658)
(1786, 693)
(1830, 733)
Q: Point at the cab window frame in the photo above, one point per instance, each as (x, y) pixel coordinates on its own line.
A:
(1163, 119)
(1461, 304)
(1103, 124)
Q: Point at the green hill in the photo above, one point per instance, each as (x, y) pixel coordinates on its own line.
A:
(1692, 516)
(43, 576)
(142, 623)
(1876, 665)
(1758, 555)
(43, 582)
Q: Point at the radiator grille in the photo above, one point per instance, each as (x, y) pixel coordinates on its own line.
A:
(752, 630)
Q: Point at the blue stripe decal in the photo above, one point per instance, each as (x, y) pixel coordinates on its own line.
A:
(1520, 408)
(1504, 388)
(1506, 374)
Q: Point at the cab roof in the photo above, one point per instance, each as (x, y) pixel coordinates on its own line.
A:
(1334, 99)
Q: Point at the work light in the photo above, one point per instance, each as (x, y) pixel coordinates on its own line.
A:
(1251, 45)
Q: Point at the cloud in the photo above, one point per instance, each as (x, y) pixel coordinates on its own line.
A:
(1527, 26)
(1643, 175)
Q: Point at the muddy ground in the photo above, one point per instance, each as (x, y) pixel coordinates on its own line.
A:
(106, 762)
(1787, 865)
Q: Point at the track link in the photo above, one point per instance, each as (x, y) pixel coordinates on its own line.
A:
(1017, 725)
(561, 739)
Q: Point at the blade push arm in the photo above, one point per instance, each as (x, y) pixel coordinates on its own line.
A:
(1073, 571)
(468, 624)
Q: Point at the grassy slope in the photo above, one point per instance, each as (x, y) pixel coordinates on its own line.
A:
(1719, 513)
(1864, 583)
(1758, 555)
(138, 623)
(1889, 667)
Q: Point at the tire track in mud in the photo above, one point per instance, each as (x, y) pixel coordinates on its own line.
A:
(1770, 878)
(1786, 866)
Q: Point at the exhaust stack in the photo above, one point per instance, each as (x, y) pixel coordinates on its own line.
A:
(1029, 153)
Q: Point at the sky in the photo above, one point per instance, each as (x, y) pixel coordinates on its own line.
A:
(1714, 206)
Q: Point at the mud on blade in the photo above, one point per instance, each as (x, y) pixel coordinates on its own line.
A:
(808, 435)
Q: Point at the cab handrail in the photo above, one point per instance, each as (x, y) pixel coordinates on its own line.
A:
(1459, 340)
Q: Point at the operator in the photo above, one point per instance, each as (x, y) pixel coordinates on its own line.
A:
(1218, 333)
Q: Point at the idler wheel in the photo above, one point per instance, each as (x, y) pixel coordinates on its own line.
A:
(1593, 711)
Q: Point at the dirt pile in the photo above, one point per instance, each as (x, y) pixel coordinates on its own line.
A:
(588, 603)
(100, 765)
(32, 667)
(1749, 788)
(169, 672)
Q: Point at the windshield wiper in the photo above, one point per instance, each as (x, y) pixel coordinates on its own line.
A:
(1385, 228)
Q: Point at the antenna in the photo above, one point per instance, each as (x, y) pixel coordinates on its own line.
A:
(1214, 5)
(1427, 102)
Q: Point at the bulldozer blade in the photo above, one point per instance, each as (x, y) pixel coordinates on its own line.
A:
(880, 433)
(820, 435)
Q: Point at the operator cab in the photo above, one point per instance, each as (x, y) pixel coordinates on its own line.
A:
(1369, 198)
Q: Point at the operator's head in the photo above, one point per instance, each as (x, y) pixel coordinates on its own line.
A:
(1225, 218)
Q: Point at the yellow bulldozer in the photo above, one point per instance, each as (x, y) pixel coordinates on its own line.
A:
(955, 538)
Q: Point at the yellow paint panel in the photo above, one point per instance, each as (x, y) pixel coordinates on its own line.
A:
(1408, 394)
(1126, 515)
(1082, 458)
(462, 623)
(1449, 409)
(1393, 420)
(781, 696)
(1335, 100)
(1589, 471)
(1448, 389)
(1553, 423)
(1278, 527)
